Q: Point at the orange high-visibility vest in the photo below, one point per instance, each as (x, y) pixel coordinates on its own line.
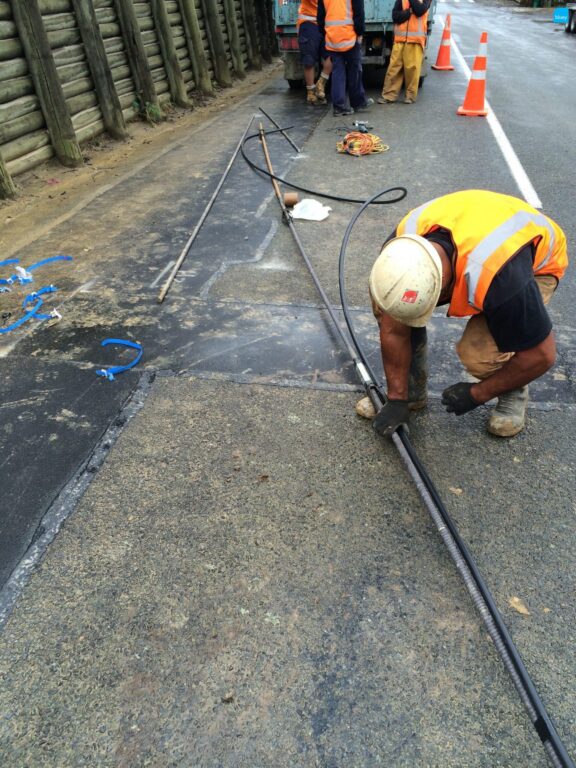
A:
(339, 25)
(487, 229)
(412, 31)
(307, 11)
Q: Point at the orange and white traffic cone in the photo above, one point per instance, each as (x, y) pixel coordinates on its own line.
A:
(474, 100)
(443, 60)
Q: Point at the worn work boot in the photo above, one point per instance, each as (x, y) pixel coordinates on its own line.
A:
(365, 408)
(320, 90)
(509, 416)
(311, 97)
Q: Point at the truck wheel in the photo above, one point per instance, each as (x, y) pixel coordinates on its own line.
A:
(573, 22)
(296, 85)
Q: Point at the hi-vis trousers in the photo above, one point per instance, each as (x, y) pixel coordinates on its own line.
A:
(405, 65)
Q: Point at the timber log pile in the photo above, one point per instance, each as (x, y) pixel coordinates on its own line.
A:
(72, 69)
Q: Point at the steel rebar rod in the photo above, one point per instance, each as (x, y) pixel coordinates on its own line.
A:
(282, 131)
(170, 279)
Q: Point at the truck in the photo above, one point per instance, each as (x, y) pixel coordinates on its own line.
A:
(376, 46)
(571, 19)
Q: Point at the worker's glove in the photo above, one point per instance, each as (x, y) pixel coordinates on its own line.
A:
(390, 417)
(458, 398)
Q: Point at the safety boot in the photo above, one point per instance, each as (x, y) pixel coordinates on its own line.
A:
(311, 98)
(509, 416)
(320, 90)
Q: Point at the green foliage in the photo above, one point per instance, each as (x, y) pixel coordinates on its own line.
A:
(152, 113)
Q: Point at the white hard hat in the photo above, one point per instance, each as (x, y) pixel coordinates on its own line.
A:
(406, 279)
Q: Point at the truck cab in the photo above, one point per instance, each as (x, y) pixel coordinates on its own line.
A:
(571, 18)
(376, 46)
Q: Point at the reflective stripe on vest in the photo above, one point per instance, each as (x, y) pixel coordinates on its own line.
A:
(307, 11)
(488, 229)
(339, 25)
(412, 31)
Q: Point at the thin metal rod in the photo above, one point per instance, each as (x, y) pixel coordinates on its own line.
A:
(361, 369)
(290, 222)
(168, 282)
(282, 131)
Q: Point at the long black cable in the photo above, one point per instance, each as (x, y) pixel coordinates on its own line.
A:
(402, 190)
(542, 723)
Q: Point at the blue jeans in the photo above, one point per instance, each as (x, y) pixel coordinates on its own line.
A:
(347, 75)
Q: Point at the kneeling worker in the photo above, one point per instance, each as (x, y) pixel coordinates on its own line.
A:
(489, 257)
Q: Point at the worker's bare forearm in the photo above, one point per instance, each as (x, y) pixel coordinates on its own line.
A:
(521, 369)
(396, 350)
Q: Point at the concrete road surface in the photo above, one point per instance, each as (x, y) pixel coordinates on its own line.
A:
(212, 561)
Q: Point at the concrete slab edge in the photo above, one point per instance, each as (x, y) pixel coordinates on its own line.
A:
(67, 500)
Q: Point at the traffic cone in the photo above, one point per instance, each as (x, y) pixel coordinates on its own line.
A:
(474, 100)
(443, 60)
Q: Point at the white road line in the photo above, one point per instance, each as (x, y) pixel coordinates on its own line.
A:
(516, 169)
(161, 275)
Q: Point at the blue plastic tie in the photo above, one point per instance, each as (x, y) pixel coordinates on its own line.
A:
(33, 296)
(109, 373)
(32, 313)
(9, 280)
(31, 268)
(48, 261)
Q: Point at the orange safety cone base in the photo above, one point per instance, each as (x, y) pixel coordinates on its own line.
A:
(442, 69)
(471, 112)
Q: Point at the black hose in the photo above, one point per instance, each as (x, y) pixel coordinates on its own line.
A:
(402, 190)
(542, 723)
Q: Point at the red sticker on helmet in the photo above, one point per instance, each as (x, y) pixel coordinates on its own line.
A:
(409, 297)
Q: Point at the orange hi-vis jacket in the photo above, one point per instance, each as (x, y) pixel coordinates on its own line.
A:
(411, 31)
(339, 25)
(487, 229)
(307, 11)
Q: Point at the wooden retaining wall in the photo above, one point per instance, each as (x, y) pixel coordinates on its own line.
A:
(71, 69)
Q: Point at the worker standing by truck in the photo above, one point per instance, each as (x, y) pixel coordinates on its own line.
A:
(410, 34)
(342, 23)
(490, 257)
(312, 52)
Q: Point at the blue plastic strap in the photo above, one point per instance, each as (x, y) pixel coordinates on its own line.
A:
(109, 373)
(33, 296)
(31, 268)
(48, 261)
(32, 313)
(3, 280)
